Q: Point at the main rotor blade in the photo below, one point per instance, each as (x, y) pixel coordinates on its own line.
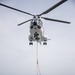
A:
(55, 20)
(15, 9)
(53, 7)
(24, 22)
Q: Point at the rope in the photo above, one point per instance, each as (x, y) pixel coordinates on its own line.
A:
(37, 62)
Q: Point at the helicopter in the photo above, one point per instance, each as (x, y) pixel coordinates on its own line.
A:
(36, 25)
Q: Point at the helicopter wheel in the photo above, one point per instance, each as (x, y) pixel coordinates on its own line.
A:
(31, 43)
(45, 43)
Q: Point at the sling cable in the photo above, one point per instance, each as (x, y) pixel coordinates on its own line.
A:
(37, 61)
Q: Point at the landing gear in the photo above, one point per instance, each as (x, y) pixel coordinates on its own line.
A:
(44, 43)
(31, 43)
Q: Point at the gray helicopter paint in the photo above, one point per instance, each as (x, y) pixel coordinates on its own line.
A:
(36, 30)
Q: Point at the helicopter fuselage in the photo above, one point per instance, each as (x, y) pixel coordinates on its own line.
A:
(37, 31)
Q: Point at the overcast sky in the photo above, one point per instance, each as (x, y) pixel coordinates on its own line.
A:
(18, 58)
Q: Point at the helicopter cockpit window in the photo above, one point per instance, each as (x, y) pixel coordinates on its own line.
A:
(31, 27)
(34, 23)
